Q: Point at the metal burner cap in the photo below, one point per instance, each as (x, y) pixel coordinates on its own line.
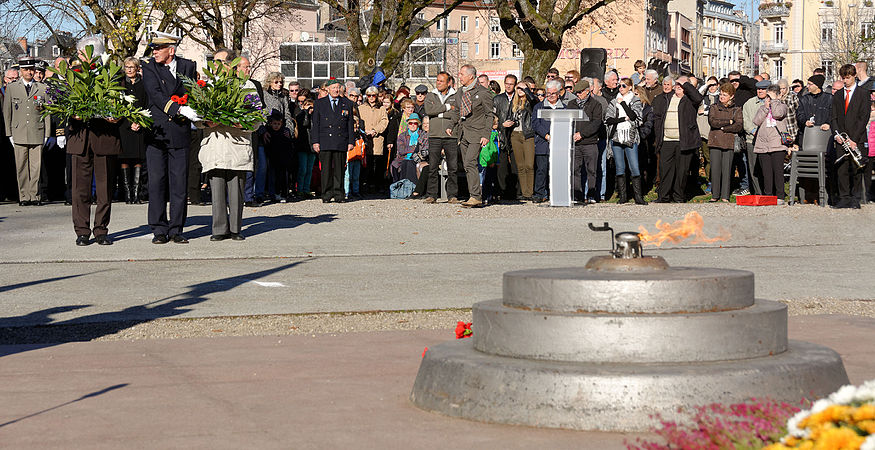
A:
(608, 263)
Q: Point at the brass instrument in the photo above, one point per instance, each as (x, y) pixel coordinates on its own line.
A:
(854, 153)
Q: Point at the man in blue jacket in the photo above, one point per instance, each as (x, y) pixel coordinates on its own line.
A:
(542, 139)
(332, 136)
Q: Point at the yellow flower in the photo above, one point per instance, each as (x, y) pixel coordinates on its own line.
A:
(867, 425)
(839, 439)
(864, 412)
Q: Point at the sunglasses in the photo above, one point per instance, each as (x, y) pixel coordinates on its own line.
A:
(371, 95)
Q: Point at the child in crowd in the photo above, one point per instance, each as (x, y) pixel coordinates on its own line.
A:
(490, 157)
(355, 161)
(278, 148)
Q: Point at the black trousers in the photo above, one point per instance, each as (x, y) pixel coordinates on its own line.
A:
(450, 147)
(850, 181)
(333, 170)
(542, 175)
(586, 157)
(168, 178)
(773, 173)
(194, 168)
(673, 166)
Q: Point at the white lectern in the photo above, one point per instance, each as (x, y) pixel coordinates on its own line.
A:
(561, 131)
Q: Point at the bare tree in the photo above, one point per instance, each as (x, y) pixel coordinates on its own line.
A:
(225, 23)
(539, 27)
(370, 24)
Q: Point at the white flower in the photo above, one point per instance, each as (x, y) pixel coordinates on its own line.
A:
(866, 392)
(146, 112)
(844, 395)
(869, 443)
(820, 405)
(129, 98)
(104, 58)
(793, 424)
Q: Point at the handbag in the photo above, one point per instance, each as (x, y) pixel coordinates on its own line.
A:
(740, 145)
(357, 152)
(786, 138)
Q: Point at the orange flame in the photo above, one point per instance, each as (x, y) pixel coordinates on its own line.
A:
(676, 232)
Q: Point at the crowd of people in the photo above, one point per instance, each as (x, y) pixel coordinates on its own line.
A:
(335, 141)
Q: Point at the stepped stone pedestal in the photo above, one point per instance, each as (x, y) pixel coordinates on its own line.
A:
(608, 345)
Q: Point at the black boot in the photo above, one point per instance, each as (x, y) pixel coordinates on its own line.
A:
(636, 191)
(621, 189)
(129, 185)
(136, 187)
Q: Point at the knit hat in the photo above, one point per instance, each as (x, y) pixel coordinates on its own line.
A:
(818, 80)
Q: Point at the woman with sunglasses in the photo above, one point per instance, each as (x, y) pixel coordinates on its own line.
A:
(622, 117)
(276, 99)
(374, 123)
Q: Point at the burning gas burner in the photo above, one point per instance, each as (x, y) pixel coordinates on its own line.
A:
(626, 254)
(610, 345)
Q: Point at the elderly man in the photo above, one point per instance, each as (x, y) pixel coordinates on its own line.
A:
(677, 138)
(94, 146)
(483, 80)
(443, 143)
(612, 87)
(167, 146)
(651, 86)
(541, 127)
(475, 116)
(601, 173)
(507, 170)
(26, 131)
(332, 136)
(586, 138)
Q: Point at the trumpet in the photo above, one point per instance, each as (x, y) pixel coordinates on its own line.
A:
(854, 153)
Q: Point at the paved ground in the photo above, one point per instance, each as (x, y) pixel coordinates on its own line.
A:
(345, 389)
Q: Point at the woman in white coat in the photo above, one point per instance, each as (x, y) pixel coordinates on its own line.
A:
(226, 156)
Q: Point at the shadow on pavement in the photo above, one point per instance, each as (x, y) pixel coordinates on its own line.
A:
(17, 339)
(90, 395)
(252, 226)
(10, 287)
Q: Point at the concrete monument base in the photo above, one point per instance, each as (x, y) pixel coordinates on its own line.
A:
(459, 381)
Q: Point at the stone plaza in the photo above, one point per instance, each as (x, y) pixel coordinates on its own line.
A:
(73, 374)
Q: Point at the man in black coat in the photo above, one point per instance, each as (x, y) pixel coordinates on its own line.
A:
(677, 138)
(332, 136)
(168, 143)
(850, 113)
(586, 138)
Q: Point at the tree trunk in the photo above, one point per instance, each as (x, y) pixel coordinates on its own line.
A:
(537, 62)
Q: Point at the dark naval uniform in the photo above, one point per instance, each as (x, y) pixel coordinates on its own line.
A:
(333, 130)
(167, 146)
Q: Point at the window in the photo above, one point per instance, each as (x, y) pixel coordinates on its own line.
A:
(827, 32)
(868, 30)
(495, 50)
(149, 29)
(463, 24)
(476, 22)
(420, 16)
(56, 51)
(779, 33)
(463, 50)
(779, 69)
(440, 24)
(494, 25)
(477, 48)
(828, 68)
(516, 51)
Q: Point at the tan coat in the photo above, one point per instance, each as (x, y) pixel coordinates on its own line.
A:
(374, 119)
(225, 147)
(21, 115)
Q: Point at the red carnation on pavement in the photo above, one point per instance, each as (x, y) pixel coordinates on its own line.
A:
(463, 330)
(423, 352)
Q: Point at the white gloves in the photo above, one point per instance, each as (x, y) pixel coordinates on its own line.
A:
(11, 141)
(62, 141)
(189, 113)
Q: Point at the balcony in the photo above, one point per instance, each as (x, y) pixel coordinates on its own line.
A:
(771, 47)
(774, 10)
(709, 50)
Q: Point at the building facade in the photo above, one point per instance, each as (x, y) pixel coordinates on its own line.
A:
(801, 35)
(723, 38)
